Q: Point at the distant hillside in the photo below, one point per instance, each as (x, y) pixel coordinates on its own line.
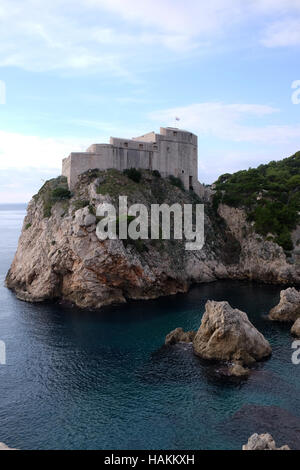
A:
(270, 194)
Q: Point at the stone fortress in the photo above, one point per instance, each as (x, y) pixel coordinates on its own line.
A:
(171, 152)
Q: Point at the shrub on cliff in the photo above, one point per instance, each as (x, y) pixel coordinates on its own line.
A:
(52, 191)
(134, 174)
(60, 193)
(156, 173)
(176, 182)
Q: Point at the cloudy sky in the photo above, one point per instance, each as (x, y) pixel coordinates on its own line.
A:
(78, 71)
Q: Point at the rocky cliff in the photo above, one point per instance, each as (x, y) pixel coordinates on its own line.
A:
(260, 259)
(60, 257)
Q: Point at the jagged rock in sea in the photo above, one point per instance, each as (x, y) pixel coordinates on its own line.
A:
(262, 442)
(60, 257)
(288, 308)
(226, 334)
(5, 447)
(251, 419)
(296, 328)
(180, 336)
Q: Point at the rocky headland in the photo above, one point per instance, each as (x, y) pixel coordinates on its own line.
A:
(60, 257)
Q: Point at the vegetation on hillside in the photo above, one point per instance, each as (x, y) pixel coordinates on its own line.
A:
(134, 174)
(53, 191)
(176, 182)
(270, 194)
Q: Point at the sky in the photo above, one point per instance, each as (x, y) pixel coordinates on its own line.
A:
(75, 72)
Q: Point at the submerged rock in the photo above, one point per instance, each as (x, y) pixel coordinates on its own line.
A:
(262, 442)
(180, 336)
(288, 308)
(296, 328)
(226, 334)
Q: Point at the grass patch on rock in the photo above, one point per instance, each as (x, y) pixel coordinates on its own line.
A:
(51, 192)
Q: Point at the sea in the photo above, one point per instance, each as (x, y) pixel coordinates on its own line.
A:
(73, 379)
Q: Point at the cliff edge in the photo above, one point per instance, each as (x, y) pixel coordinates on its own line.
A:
(59, 255)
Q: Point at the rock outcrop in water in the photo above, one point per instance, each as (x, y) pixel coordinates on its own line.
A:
(5, 447)
(263, 442)
(288, 308)
(296, 328)
(60, 257)
(226, 334)
(180, 336)
(251, 419)
(237, 370)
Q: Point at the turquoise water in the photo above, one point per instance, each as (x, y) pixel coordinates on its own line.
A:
(78, 380)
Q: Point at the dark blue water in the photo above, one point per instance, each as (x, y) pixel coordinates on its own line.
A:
(77, 380)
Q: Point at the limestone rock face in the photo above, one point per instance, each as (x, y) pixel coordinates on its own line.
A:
(60, 257)
(262, 442)
(226, 334)
(296, 328)
(260, 259)
(180, 336)
(288, 308)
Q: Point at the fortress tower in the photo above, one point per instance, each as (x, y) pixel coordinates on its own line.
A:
(171, 152)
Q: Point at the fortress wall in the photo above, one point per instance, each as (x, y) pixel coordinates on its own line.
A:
(99, 148)
(79, 162)
(149, 137)
(132, 144)
(76, 164)
(66, 168)
(178, 159)
(103, 160)
(172, 152)
(132, 158)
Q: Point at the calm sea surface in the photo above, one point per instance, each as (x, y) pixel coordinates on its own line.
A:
(77, 380)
